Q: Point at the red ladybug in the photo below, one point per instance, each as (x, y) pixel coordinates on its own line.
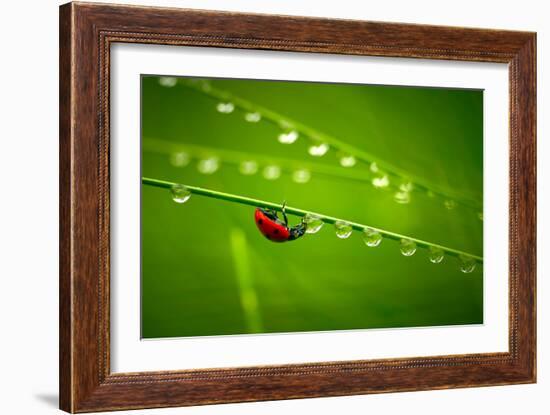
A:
(275, 229)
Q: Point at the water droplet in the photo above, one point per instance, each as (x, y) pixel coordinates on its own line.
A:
(374, 167)
(168, 81)
(180, 159)
(180, 193)
(272, 172)
(430, 194)
(252, 116)
(436, 254)
(248, 167)
(467, 264)
(343, 229)
(480, 216)
(208, 166)
(402, 197)
(313, 223)
(408, 247)
(381, 182)
(406, 186)
(371, 237)
(347, 161)
(301, 176)
(285, 125)
(449, 204)
(225, 107)
(318, 150)
(205, 86)
(288, 137)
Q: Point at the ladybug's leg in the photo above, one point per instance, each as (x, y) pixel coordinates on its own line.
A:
(284, 214)
(272, 213)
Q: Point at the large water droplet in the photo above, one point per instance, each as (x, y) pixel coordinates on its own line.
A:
(168, 81)
(288, 137)
(225, 107)
(371, 237)
(408, 247)
(449, 204)
(272, 172)
(467, 264)
(301, 176)
(436, 254)
(252, 116)
(381, 182)
(208, 166)
(318, 150)
(180, 159)
(248, 167)
(343, 229)
(347, 161)
(313, 223)
(180, 193)
(402, 197)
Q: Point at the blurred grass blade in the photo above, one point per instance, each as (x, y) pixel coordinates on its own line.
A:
(320, 137)
(247, 293)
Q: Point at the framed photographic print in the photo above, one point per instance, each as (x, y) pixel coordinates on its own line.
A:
(260, 207)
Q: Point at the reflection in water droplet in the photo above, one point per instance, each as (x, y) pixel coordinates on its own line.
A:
(374, 167)
(313, 223)
(252, 117)
(180, 193)
(318, 150)
(248, 167)
(450, 204)
(467, 264)
(301, 176)
(406, 186)
(371, 237)
(343, 229)
(408, 247)
(288, 137)
(436, 254)
(347, 161)
(225, 107)
(168, 81)
(208, 166)
(381, 182)
(402, 197)
(179, 159)
(272, 172)
(285, 125)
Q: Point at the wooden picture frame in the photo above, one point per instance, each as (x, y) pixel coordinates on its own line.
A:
(86, 33)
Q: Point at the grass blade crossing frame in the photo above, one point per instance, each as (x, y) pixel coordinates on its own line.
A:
(300, 212)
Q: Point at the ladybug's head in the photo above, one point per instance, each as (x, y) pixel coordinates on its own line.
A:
(297, 231)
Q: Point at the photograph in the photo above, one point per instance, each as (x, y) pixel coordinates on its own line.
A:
(275, 206)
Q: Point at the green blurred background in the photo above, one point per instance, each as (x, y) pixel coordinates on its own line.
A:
(206, 269)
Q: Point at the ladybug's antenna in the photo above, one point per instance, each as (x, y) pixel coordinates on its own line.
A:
(284, 213)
